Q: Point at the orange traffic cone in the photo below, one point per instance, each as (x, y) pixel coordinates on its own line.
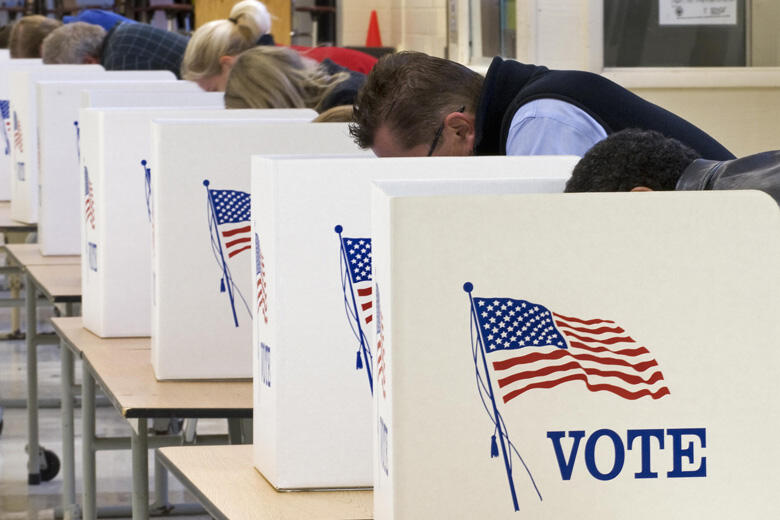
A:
(373, 38)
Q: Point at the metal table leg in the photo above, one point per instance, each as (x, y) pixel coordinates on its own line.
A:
(33, 462)
(89, 503)
(68, 441)
(139, 443)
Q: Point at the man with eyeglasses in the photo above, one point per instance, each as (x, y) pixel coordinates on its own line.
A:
(413, 104)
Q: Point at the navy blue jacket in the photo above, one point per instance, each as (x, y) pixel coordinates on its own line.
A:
(511, 84)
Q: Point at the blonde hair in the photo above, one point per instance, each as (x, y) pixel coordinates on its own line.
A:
(28, 34)
(278, 77)
(339, 114)
(248, 21)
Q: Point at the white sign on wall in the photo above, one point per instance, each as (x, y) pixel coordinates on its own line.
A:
(697, 12)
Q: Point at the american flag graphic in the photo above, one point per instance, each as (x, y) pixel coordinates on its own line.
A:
(531, 347)
(262, 303)
(358, 257)
(89, 200)
(18, 141)
(5, 113)
(231, 211)
(381, 369)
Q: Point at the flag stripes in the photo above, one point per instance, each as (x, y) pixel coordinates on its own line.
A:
(531, 347)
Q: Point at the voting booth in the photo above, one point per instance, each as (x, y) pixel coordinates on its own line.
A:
(115, 210)
(24, 119)
(6, 129)
(202, 283)
(176, 93)
(579, 355)
(58, 151)
(314, 307)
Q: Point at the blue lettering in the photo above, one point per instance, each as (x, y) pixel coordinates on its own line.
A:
(590, 454)
(678, 452)
(682, 453)
(645, 435)
(565, 466)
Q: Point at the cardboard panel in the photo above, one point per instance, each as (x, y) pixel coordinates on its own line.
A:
(6, 131)
(24, 119)
(115, 219)
(613, 357)
(178, 93)
(314, 307)
(200, 331)
(58, 177)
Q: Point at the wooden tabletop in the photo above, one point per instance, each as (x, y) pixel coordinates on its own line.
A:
(226, 483)
(8, 224)
(59, 283)
(122, 367)
(30, 254)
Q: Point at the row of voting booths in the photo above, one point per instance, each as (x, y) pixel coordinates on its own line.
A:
(454, 332)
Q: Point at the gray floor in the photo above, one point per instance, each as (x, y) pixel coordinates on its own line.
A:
(17, 499)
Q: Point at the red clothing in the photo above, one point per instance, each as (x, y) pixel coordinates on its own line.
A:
(353, 60)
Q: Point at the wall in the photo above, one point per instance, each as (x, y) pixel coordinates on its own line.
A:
(418, 25)
(738, 107)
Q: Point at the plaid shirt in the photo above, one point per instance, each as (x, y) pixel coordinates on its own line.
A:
(136, 46)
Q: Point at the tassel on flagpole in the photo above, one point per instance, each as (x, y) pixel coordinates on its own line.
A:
(359, 362)
(493, 447)
(222, 285)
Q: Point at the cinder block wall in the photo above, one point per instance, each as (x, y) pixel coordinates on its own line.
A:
(419, 25)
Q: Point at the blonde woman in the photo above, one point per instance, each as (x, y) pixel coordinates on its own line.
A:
(214, 46)
(279, 77)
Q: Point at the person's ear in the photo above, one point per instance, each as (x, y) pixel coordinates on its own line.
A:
(641, 188)
(462, 128)
(91, 60)
(226, 62)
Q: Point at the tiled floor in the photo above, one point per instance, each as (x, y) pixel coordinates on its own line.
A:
(114, 482)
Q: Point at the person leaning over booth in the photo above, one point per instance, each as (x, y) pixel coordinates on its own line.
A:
(416, 105)
(213, 48)
(643, 160)
(127, 46)
(28, 34)
(279, 77)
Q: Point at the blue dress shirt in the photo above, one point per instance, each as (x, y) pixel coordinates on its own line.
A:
(552, 127)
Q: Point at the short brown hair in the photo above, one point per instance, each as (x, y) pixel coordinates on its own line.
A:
(28, 34)
(410, 92)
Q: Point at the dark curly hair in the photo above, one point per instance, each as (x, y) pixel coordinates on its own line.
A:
(632, 158)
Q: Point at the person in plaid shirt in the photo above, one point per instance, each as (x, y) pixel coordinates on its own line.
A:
(128, 46)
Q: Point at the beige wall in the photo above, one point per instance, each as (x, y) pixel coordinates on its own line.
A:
(738, 107)
(418, 25)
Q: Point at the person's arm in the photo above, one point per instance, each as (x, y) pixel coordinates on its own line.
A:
(552, 127)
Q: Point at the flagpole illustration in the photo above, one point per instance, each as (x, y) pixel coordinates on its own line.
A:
(78, 140)
(225, 273)
(468, 287)
(148, 187)
(361, 336)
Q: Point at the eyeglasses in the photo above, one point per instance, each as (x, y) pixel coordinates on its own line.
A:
(439, 132)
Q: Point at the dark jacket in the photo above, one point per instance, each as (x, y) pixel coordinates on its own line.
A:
(345, 92)
(511, 84)
(138, 46)
(754, 172)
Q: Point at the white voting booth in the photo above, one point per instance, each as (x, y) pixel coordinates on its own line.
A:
(313, 304)
(201, 308)
(6, 129)
(178, 93)
(24, 115)
(582, 355)
(115, 215)
(58, 151)
(4, 55)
